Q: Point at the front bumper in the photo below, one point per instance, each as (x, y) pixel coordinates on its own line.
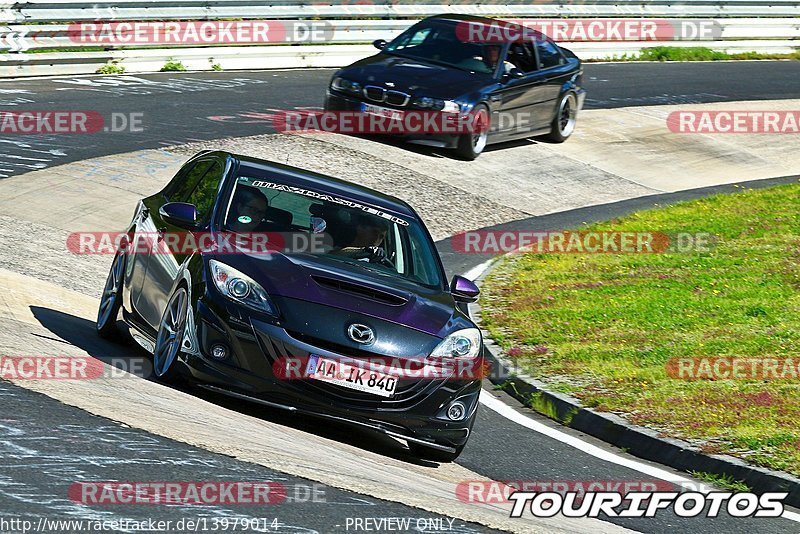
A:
(338, 102)
(417, 411)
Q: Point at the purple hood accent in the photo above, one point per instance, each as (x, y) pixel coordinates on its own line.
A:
(376, 295)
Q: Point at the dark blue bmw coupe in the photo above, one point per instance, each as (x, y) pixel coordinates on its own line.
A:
(347, 316)
(515, 81)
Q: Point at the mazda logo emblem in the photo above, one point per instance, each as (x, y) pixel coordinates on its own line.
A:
(361, 333)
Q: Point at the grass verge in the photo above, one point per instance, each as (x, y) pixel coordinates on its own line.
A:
(725, 482)
(602, 327)
(693, 53)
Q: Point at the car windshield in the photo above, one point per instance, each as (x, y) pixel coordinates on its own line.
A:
(331, 228)
(437, 42)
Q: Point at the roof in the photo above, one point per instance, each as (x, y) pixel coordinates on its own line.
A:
(458, 17)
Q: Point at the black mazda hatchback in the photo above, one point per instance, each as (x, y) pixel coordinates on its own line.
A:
(346, 314)
(512, 80)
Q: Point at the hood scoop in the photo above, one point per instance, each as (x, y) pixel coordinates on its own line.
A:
(359, 290)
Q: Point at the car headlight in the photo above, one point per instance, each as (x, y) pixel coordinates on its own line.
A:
(346, 86)
(464, 343)
(446, 106)
(240, 288)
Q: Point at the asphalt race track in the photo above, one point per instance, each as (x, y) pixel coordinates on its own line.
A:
(47, 445)
(178, 108)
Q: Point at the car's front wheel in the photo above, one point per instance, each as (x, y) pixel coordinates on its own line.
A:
(564, 121)
(170, 335)
(111, 300)
(470, 145)
(436, 455)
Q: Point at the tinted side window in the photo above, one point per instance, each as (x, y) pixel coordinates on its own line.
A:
(549, 55)
(187, 181)
(523, 56)
(205, 193)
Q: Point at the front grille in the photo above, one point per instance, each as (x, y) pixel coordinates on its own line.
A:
(409, 390)
(396, 98)
(379, 94)
(373, 92)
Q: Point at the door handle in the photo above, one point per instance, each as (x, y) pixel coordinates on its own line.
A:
(495, 98)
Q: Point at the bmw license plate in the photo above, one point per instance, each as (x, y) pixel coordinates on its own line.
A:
(381, 111)
(350, 376)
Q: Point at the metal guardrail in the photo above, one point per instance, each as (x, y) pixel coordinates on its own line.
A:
(63, 10)
(17, 38)
(742, 25)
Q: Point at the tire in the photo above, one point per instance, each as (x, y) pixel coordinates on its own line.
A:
(565, 119)
(111, 301)
(426, 453)
(471, 145)
(170, 336)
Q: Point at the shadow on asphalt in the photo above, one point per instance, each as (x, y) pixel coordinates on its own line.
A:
(437, 152)
(129, 357)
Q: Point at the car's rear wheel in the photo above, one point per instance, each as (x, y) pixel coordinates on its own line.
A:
(170, 335)
(470, 145)
(566, 117)
(436, 455)
(111, 300)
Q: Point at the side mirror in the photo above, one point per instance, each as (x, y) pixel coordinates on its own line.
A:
(179, 214)
(379, 43)
(463, 289)
(516, 73)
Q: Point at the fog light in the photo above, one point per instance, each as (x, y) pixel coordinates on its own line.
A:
(219, 352)
(456, 411)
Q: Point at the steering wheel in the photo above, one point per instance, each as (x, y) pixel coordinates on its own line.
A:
(378, 255)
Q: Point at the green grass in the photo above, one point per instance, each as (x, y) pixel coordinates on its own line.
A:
(111, 68)
(173, 66)
(694, 53)
(722, 481)
(602, 327)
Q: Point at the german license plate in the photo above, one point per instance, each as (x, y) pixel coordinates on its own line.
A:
(350, 376)
(382, 111)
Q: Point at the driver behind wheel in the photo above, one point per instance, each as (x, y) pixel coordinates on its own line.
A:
(367, 242)
(491, 57)
(248, 209)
